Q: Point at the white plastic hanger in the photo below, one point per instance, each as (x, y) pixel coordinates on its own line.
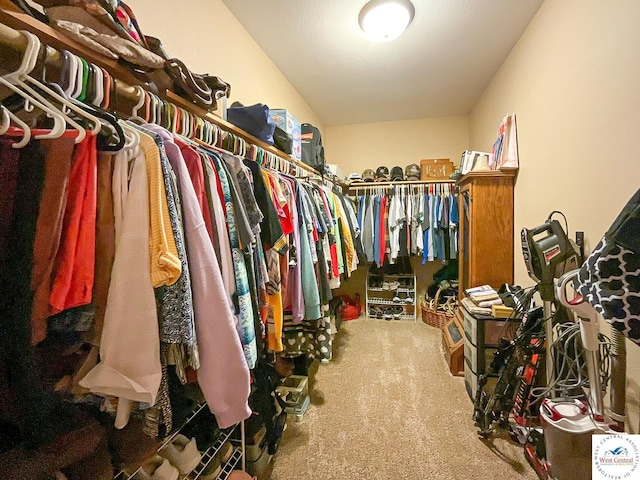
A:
(67, 104)
(141, 101)
(6, 120)
(132, 144)
(22, 74)
(73, 73)
(26, 131)
(8, 80)
(99, 85)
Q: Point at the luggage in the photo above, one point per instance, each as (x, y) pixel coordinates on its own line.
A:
(254, 119)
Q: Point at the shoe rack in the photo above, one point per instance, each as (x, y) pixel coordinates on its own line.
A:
(391, 296)
(208, 455)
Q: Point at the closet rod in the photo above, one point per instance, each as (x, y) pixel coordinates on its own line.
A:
(410, 183)
(126, 95)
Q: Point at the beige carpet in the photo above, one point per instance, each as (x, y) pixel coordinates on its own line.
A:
(386, 408)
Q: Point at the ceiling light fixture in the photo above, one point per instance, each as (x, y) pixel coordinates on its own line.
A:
(385, 20)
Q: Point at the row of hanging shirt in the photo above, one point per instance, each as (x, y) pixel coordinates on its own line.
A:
(199, 240)
(401, 221)
(183, 251)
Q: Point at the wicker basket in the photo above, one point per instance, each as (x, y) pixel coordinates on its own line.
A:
(436, 315)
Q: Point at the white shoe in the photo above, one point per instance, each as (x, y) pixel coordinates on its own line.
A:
(183, 453)
(158, 469)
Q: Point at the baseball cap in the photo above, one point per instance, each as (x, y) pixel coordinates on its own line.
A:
(382, 173)
(397, 173)
(368, 175)
(412, 172)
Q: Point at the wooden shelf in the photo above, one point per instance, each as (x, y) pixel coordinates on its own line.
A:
(126, 96)
(498, 174)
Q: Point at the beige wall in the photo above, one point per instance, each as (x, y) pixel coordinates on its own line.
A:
(572, 80)
(209, 39)
(369, 145)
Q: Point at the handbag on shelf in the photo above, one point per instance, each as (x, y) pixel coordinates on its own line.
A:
(282, 140)
(188, 84)
(254, 119)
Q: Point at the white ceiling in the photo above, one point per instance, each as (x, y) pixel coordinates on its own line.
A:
(438, 67)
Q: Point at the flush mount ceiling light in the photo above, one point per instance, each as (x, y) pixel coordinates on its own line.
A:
(385, 20)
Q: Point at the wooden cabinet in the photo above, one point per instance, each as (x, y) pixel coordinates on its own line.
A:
(485, 255)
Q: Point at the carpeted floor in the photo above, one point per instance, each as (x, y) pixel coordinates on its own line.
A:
(386, 408)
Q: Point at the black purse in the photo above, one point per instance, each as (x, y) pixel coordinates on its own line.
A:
(282, 141)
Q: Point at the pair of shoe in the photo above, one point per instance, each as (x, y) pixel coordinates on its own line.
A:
(213, 469)
(393, 312)
(178, 457)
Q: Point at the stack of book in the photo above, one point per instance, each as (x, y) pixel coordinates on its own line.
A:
(482, 300)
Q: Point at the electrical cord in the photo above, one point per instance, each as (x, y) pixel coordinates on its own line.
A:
(566, 223)
(567, 356)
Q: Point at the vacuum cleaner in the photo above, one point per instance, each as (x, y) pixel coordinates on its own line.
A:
(569, 423)
(548, 253)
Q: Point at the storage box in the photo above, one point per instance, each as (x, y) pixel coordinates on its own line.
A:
(335, 169)
(435, 168)
(289, 124)
(293, 389)
(471, 382)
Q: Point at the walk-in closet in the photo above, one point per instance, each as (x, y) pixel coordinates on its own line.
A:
(383, 239)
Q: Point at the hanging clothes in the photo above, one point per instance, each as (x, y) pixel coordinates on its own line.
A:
(246, 328)
(399, 223)
(223, 375)
(129, 366)
(74, 269)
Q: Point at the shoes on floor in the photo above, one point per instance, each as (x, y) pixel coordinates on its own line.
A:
(183, 453)
(225, 452)
(397, 312)
(158, 468)
(212, 470)
(379, 313)
(388, 313)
